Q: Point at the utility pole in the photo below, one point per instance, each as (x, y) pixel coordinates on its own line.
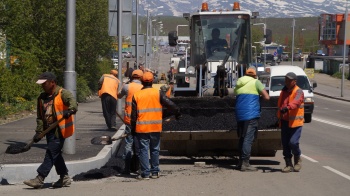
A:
(70, 74)
(137, 33)
(293, 26)
(344, 49)
(120, 47)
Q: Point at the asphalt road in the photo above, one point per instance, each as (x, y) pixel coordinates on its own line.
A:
(326, 158)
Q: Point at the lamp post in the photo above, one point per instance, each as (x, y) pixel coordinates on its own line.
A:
(264, 41)
(344, 49)
(293, 26)
(256, 60)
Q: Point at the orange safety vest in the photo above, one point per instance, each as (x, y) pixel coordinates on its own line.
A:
(149, 111)
(110, 85)
(168, 93)
(132, 88)
(66, 125)
(296, 116)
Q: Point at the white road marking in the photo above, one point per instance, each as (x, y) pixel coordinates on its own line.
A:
(337, 172)
(331, 123)
(308, 158)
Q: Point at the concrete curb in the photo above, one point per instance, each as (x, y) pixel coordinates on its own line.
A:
(17, 173)
(332, 97)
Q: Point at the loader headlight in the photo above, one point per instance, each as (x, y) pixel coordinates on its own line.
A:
(308, 100)
(191, 70)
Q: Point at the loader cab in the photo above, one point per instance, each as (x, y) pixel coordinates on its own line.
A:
(213, 36)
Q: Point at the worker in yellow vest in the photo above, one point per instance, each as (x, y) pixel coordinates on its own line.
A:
(108, 92)
(146, 124)
(128, 90)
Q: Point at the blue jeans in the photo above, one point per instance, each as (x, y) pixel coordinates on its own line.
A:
(129, 140)
(53, 156)
(290, 140)
(151, 142)
(246, 140)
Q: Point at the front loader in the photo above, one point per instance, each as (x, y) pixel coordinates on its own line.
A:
(203, 89)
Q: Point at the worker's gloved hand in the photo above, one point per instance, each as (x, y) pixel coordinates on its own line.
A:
(284, 110)
(178, 116)
(36, 137)
(67, 113)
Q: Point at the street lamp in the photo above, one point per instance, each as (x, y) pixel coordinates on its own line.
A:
(256, 60)
(344, 48)
(264, 41)
(293, 26)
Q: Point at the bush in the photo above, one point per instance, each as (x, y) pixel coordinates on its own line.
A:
(339, 75)
(83, 90)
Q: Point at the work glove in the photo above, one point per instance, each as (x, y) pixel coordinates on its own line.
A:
(67, 113)
(284, 110)
(36, 137)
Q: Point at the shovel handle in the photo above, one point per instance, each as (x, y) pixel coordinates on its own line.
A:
(42, 134)
(120, 137)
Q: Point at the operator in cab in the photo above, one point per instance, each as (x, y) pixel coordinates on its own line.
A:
(215, 44)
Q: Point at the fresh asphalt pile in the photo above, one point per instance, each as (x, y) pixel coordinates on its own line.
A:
(214, 113)
(207, 113)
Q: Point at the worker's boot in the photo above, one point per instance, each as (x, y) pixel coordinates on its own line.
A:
(297, 163)
(239, 164)
(37, 182)
(247, 167)
(63, 181)
(126, 170)
(289, 166)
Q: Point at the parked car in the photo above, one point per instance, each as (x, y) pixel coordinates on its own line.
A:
(285, 56)
(297, 57)
(127, 54)
(269, 58)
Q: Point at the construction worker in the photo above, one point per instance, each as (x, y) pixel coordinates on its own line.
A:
(248, 91)
(108, 92)
(128, 90)
(54, 104)
(291, 115)
(146, 124)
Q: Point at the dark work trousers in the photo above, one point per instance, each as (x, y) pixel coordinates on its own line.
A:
(53, 156)
(109, 108)
(290, 140)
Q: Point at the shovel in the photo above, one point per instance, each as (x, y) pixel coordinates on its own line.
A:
(105, 139)
(19, 148)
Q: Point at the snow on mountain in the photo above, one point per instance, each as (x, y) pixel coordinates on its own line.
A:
(266, 8)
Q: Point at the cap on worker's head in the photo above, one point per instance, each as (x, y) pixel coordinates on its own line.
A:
(291, 75)
(147, 77)
(46, 76)
(137, 73)
(251, 71)
(114, 72)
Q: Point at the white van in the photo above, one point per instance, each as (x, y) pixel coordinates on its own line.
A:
(274, 82)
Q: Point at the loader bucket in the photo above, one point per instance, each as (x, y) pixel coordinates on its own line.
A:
(208, 128)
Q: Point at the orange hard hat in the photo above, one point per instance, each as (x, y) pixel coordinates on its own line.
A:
(114, 72)
(137, 73)
(147, 77)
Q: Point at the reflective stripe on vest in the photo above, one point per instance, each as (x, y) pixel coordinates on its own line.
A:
(66, 125)
(109, 85)
(296, 116)
(149, 110)
(132, 88)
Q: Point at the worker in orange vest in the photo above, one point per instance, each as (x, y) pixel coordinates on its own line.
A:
(108, 92)
(291, 115)
(128, 90)
(54, 104)
(146, 124)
